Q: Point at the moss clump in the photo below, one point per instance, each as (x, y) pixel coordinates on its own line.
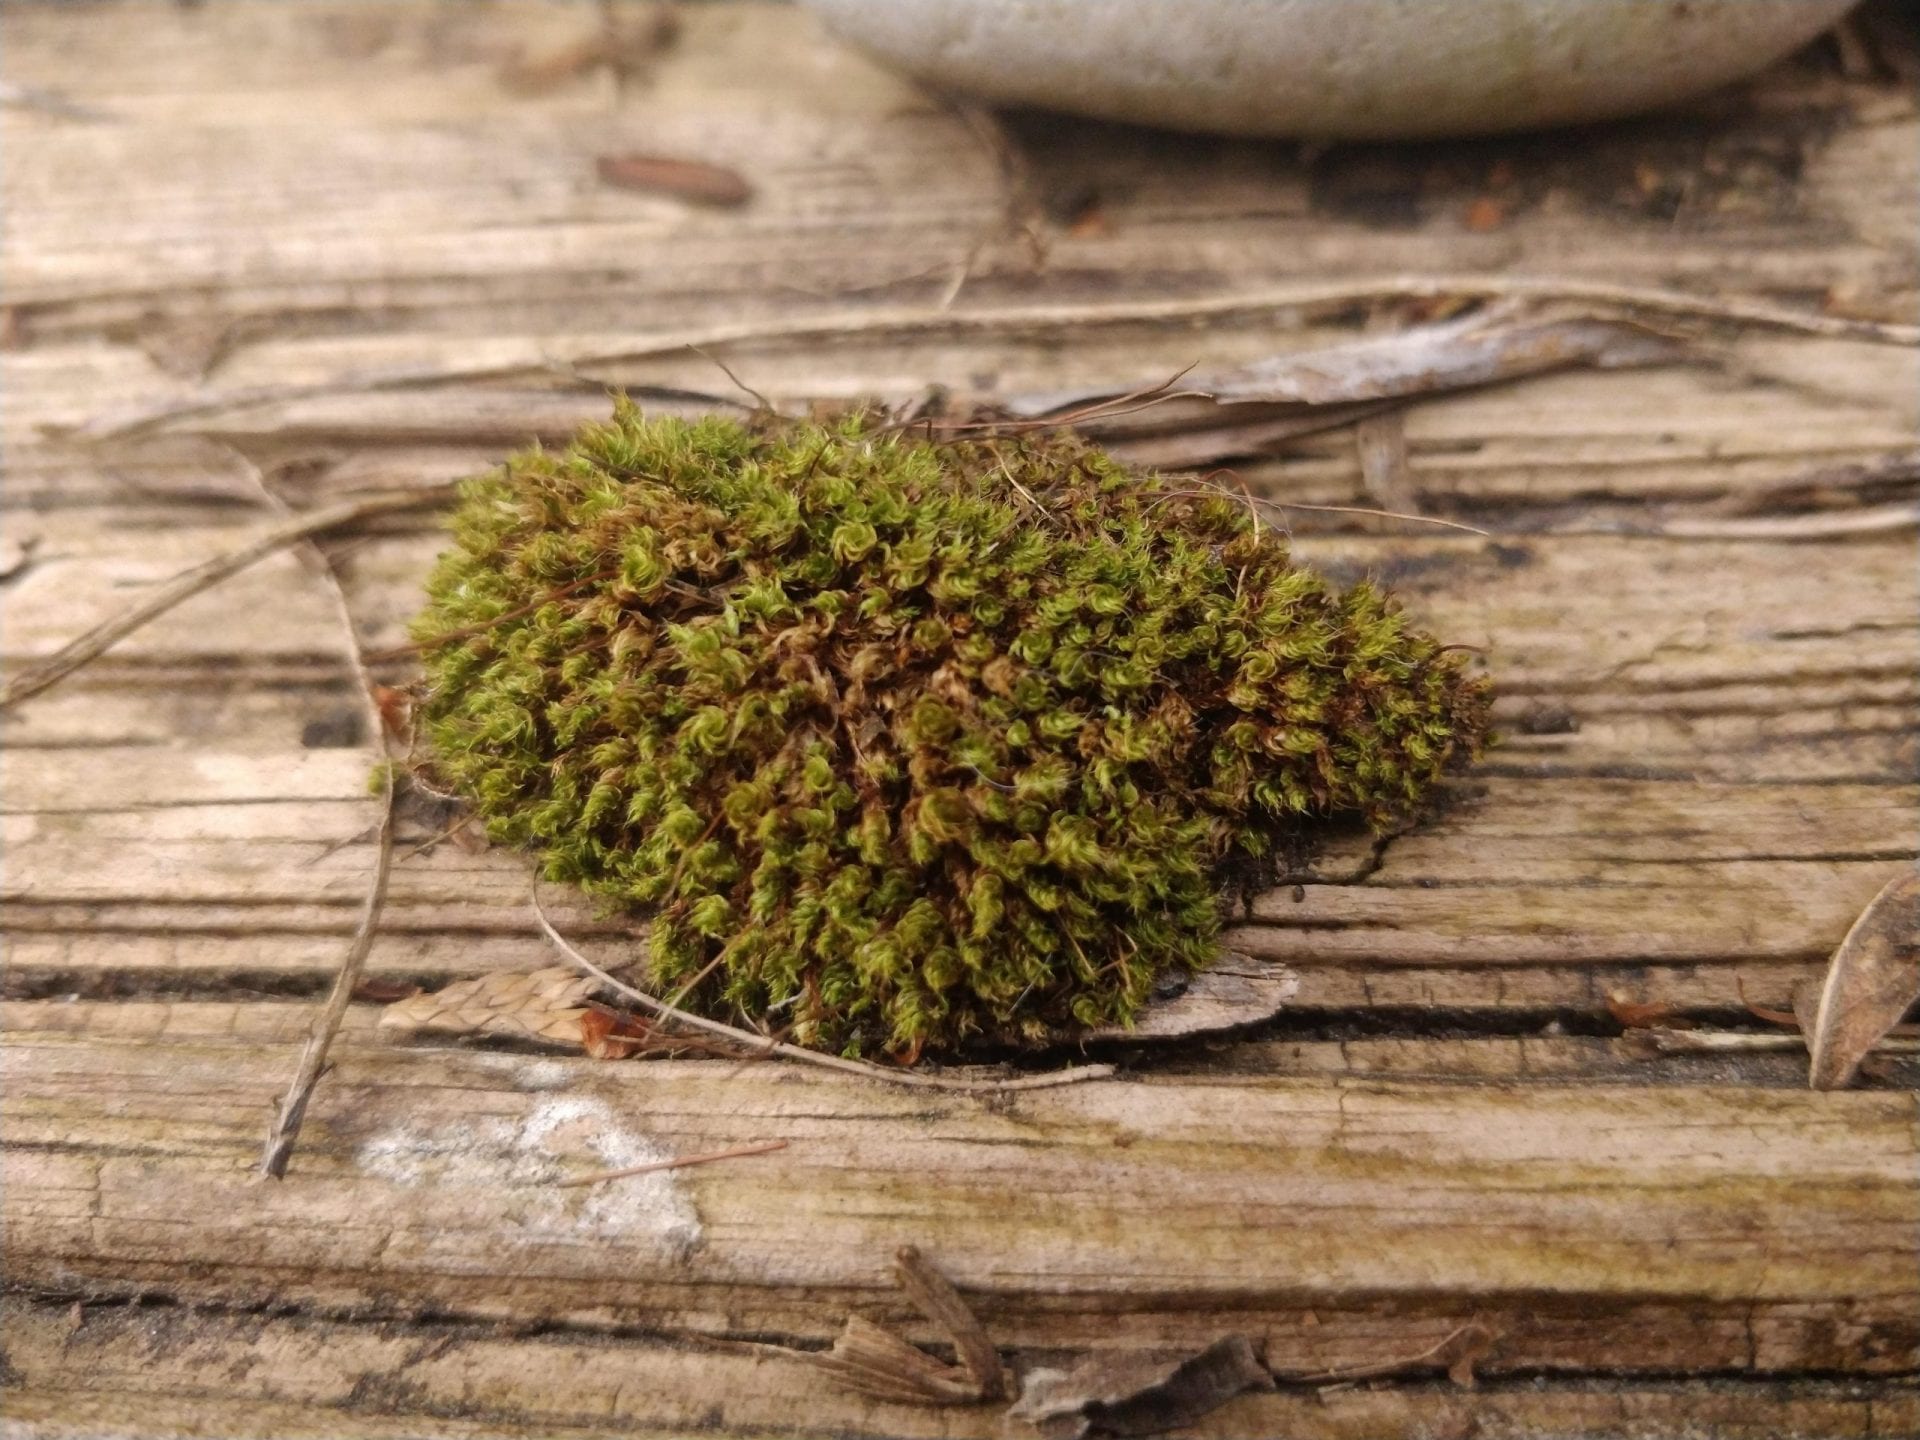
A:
(900, 742)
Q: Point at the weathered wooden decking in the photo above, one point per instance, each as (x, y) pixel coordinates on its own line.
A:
(1709, 763)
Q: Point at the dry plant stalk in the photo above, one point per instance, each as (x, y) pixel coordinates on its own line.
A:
(877, 1363)
(285, 1129)
(1608, 299)
(84, 649)
(760, 1045)
(679, 1162)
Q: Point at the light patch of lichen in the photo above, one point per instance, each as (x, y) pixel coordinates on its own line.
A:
(902, 743)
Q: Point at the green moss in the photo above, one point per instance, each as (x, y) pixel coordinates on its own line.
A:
(902, 743)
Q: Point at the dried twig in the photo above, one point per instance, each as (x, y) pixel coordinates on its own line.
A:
(756, 1043)
(1822, 525)
(102, 638)
(313, 1057)
(1381, 444)
(1457, 1353)
(1621, 298)
(1656, 1041)
(763, 1147)
(285, 1129)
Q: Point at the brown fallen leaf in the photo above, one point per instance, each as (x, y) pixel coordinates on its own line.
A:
(1129, 1394)
(544, 1005)
(691, 180)
(1644, 1014)
(378, 990)
(605, 1035)
(1484, 214)
(396, 712)
(1872, 981)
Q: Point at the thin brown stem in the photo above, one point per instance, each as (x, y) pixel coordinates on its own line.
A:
(747, 1039)
(85, 649)
(313, 1057)
(882, 321)
(681, 1162)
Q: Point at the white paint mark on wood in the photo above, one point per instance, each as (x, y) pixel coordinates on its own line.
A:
(511, 1167)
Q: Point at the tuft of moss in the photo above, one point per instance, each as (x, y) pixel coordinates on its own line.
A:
(902, 743)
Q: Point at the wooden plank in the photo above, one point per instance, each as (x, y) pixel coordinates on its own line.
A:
(1551, 1057)
(96, 1370)
(1597, 1226)
(1708, 760)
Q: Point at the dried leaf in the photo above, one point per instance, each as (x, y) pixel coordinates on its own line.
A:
(609, 1036)
(377, 990)
(546, 1005)
(1872, 981)
(396, 712)
(691, 180)
(1134, 1395)
(1644, 1015)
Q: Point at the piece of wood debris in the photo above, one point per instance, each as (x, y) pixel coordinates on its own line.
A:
(1131, 1394)
(1235, 991)
(878, 1363)
(1644, 1015)
(1457, 1354)
(691, 180)
(1872, 981)
(1381, 442)
(545, 1005)
(1484, 347)
(16, 554)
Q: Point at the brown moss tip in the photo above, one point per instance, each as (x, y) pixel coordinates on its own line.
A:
(902, 743)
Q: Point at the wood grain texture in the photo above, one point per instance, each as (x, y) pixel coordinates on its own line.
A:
(329, 239)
